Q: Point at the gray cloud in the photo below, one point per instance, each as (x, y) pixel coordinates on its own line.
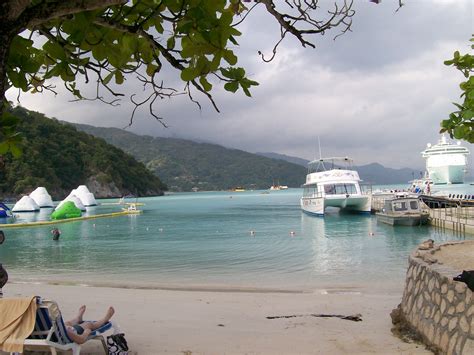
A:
(375, 94)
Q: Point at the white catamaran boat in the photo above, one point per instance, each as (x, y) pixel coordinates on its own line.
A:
(335, 187)
(446, 162)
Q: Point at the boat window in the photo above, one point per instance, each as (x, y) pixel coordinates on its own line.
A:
(340, 189)
(310, 191)
(399, 206)
(414, 205)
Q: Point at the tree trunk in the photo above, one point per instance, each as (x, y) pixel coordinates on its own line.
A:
(5, 40)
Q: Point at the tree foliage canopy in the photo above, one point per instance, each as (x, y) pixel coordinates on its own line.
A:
(106, 41)
(460, 123)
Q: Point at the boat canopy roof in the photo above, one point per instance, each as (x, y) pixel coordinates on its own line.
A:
(333, 163)
(332, 159)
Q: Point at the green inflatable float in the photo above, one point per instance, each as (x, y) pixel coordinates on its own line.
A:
(67, 210)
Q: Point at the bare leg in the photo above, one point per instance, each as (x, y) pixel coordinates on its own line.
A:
(79, 339)
(100, 322)
(78, 319)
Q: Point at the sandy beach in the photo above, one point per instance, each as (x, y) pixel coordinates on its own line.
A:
(159, 321)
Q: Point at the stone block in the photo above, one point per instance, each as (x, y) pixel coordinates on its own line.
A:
(468, 297)
(443, 306)
(444, 288)
(437, 316)
(450, 296)
(444, 321)
(430, 332)
(464, 324)
(431, 284)
(470, 311)
(437, 336)
(452, 343)
(452, 324)
(426, 296)
(461, 307)
(451, 310)
(460, 287)
(417, 287)
(419, 303)
(468, 347)
(459, 345)
(427, 312)
(443, 343)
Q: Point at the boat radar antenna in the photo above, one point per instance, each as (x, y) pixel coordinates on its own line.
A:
(319, 146)
(321, 160)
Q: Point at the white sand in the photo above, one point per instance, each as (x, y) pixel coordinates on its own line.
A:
(196, 322)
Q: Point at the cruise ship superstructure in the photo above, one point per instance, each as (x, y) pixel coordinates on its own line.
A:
(446, 163)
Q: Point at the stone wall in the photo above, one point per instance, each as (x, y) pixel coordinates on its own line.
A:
(434, 306)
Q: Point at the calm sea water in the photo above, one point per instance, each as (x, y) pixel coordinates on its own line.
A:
(206, 239)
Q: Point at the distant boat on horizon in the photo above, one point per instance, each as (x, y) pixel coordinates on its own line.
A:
(278, 186)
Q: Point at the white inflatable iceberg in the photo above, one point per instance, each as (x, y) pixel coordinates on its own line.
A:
(72, 197)
(87, 198)
(26, 204)
(41, 197)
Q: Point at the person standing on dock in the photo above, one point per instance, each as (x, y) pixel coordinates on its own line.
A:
(56, 233)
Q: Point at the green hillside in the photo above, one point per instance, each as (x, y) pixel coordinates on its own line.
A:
(184, 164)
(374, 173)
(60, 158)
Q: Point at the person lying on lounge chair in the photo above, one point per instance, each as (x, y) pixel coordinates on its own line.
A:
(78, 329)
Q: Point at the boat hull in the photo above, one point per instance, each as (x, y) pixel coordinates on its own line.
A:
(412, 219)
(449, 174)
(317, 205)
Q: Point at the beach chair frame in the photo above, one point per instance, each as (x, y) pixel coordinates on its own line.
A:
(50, 331)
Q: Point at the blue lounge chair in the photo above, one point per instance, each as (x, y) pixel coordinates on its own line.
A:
(50, 331)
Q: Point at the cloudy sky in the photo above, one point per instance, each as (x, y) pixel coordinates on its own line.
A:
(376, 94)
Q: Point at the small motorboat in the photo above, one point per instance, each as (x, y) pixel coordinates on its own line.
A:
(403, 211)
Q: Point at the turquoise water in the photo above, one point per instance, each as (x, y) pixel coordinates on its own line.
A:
(205, 239)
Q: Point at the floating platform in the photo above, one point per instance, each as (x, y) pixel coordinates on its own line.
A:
(83, 218)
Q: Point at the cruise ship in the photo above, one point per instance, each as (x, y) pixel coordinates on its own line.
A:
(446, 163)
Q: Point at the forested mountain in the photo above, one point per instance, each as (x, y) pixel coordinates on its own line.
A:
(60, 158)
(374, 173)
(184, 164)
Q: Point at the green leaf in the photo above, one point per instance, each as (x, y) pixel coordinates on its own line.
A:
(188, 74)
(108, 78)
(119, 79)
(170, 43)
(205, 84)
(232, 86)
(230, 57)
(151, 69)
(54, 50)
